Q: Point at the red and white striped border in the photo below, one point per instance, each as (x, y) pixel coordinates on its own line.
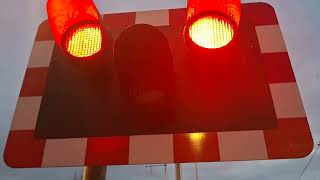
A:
(291, 139)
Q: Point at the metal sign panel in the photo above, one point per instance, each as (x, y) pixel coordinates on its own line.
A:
(289, 136)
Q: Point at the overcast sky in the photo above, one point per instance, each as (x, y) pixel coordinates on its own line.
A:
(300, 24)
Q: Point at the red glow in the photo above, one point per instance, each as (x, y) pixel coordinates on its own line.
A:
(65, 16)
(220, 17)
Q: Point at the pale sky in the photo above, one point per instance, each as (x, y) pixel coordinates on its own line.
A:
(300, 24)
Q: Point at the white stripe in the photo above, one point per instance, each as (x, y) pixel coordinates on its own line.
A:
(242, 145)
(287, 100)
(26, 113)
(64, 152)
(155, 18)
(41, 54)
(270, 39)
(151, 149)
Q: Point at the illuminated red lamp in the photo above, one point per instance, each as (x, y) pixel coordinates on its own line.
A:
(76, 27)
(212, 24)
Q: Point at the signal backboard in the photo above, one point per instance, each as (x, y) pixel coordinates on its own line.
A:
(288, 137)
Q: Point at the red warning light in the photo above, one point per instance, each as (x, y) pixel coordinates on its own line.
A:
(76, 26)
(212, 24)
(84, 41)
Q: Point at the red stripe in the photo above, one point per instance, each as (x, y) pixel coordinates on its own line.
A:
(23, 150)
(34, 82)
(201, 149)
(177, 17)
(278, 68)
(291, 139)
(119, 21)
(107, 151)
(259, 13)
(44, 32)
